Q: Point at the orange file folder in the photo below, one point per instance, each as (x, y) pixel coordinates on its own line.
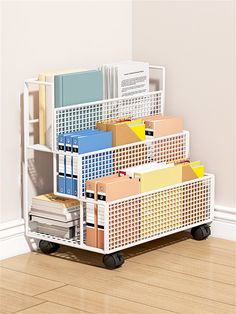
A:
(118, 188)
(159, 125)
(112, 190)
(124, 131)
(92, 210)
(192, 171)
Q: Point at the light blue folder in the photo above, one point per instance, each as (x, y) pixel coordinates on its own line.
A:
(78, 88)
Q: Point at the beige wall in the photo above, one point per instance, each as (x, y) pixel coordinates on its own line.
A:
(43, 36)
(195, 40)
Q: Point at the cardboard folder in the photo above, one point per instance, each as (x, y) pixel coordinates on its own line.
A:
(92, 210)
(191, 171)
(158, 176)
(112, 190)
(117, 188)
(159, 125)
(124, 132)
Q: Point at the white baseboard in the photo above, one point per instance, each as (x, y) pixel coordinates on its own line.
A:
(12, 239)
(224, 224)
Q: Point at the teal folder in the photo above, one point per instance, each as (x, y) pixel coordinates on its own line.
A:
(77, 88)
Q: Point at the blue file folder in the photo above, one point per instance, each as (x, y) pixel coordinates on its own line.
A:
(81, 142)
(69, 158)
(61, 188)
(64, 185)
(84, 144)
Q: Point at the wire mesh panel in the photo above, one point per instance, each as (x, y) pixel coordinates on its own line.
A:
(156, 214)
(85, 116)
(110, 161)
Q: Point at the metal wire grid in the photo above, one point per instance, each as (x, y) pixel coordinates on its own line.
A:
(75, 241)
(110, 161)
(85, 116)
(48, 237)
(143, 217)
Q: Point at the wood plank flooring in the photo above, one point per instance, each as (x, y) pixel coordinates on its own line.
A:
(174, 274)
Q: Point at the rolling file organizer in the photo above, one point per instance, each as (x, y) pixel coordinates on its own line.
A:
(131, 220)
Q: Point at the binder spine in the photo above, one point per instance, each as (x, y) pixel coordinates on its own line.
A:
(68, 176)
(61, 164)
(100, 228)
(74, 158)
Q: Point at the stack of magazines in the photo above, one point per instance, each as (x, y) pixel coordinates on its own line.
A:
(56, 216)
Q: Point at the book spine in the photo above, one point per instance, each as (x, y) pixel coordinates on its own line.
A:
(42, 111)
(74, 150)
(61, 165)
(49, 95)
(58, 91)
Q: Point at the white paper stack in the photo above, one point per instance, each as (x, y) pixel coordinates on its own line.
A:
(67, 230)
(125, 79)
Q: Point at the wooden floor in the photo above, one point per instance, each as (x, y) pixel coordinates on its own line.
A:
(172, 275)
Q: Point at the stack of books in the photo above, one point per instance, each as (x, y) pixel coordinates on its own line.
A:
(56, 216)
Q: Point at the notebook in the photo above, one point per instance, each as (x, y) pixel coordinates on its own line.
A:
(78, 88)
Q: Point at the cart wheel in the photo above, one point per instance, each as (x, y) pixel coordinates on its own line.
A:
(114, 260)
(48, 247)
(201, 232)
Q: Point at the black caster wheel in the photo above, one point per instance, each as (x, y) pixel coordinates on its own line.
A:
(201, 232)
(114, 260)
(48, 247)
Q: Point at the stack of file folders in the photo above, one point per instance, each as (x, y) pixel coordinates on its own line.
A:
(55, 216)
(129, 182)
(101, 190)
(74, 144)
(154, 176)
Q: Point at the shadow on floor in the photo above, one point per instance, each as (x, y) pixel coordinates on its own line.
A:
(91, 258)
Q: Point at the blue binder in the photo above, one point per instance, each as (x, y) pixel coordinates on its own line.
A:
(69, 158)
(81, 142)
(64, 180)
(84, 144)
(61, 165)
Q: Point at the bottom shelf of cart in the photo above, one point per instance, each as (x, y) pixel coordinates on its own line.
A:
(62, 241)
(75, 243)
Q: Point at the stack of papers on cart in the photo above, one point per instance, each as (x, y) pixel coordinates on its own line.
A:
(54, 207)
(67, 230)
(55, 216)
(125, 79)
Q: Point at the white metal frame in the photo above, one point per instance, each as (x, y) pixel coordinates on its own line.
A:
(107, 102)
(79, 243)
(160, 156)
(107, 213)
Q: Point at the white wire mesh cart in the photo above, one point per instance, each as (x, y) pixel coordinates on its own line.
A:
(134, 220)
